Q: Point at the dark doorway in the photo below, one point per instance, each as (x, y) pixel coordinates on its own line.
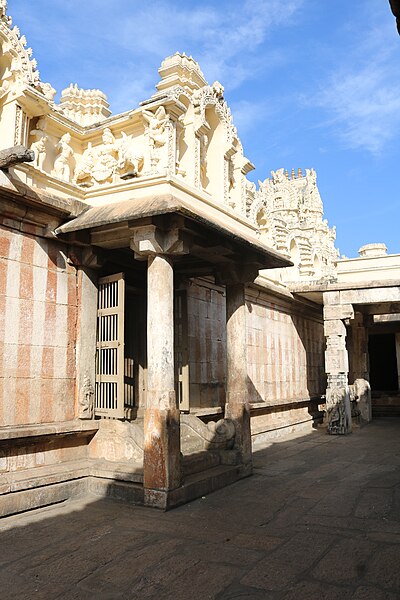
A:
(382, 362)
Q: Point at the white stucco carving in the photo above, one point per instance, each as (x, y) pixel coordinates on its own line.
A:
(85, 107)
(39, 146)
(156, 132)
(289, 213)
(64, 160)
(113, 157)
(185, 129)
(19, 67)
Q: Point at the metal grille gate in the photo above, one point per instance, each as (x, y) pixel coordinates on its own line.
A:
(110, 347)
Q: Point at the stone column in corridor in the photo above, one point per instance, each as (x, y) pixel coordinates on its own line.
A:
(237, 408)
(359, 376)
(87, 264)
(237, 399)
(162, 469)
(398, 357)
(338, 408)
(162, 457)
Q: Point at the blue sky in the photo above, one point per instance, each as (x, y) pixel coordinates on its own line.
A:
(311, 83)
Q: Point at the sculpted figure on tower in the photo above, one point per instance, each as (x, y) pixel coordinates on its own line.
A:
(62, 164)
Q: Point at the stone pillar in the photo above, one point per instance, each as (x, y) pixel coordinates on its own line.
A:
(237, 403)
(338, 409)
(87, 265)
(361, 389)
(162, 461)
(398, 357)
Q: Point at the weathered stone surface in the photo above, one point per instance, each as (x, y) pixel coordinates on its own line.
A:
(342, 311)
(15, 155)
(331, 298)
(264, 541)
(371, 295)
(334, 327)
(162, 468)
(237, 405)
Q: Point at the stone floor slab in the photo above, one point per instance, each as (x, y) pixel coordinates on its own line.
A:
(319, 520)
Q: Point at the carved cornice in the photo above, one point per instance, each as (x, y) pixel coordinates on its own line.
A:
(22, 67)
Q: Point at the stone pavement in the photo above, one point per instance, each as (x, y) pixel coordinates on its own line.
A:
(320, 519)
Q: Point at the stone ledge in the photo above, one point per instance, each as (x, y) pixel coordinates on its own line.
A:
(42, 476)
(47, 485)
(17, 502)
(104, 469)
(38, 477)
(284, 404)
(205, 412)
(47, 429)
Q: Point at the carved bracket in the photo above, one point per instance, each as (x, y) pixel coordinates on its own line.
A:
(149, 240)
(240, 273)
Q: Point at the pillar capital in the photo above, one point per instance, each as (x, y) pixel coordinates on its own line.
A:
(151, 240)
(339, 311)
(237, 274)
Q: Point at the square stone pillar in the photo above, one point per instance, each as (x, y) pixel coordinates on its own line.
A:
(398, 357)
(237, 406)
(162, 460)
(359, 375)
(338, 407)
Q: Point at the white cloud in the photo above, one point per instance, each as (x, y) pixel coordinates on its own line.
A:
(248, 114)
(122, 48)
(362, 95)
(224, 41)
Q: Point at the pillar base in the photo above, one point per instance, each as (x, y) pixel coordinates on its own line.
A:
(162, 459)
(156, 499)
(240, 415)
(338, 411)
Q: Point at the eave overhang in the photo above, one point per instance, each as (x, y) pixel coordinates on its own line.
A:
(219, 235)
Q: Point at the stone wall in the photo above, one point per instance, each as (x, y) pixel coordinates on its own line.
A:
(285, 348)
(207, 344)
(38, 312)
(285, 352)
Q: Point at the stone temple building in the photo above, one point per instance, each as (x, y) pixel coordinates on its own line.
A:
(159, 312)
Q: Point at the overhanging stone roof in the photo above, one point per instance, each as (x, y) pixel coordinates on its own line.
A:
(134, 210)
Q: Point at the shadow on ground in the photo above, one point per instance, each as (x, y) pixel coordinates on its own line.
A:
(320, 519)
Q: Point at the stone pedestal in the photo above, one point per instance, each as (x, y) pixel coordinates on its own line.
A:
(237, 404)
(162, 462)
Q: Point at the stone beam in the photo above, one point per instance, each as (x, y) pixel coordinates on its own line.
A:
(13, 156)
(370, 296)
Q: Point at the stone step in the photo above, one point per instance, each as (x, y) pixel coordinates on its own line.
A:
(105, 469)
(385, 411)
(203, 483)
(199, 461)
(195, 486)
(118, 490)
(15, 481)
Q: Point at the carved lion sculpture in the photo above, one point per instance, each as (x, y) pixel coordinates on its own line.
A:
(224, 428)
